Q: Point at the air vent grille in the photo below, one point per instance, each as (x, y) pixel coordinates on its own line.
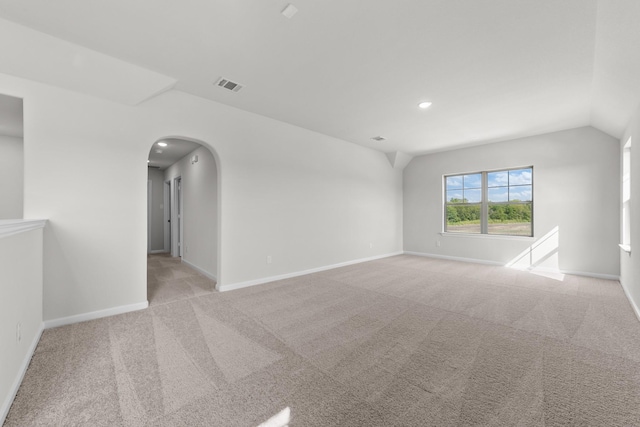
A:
(379, 138)
(228, 84)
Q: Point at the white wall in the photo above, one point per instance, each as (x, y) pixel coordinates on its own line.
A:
(20, 302)
(576, 189)
(630, 263)
(306, 199)
(200, 208)
(11, 177)
(156, 177)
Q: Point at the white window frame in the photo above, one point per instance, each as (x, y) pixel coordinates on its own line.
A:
(484, 204)
(626, 197)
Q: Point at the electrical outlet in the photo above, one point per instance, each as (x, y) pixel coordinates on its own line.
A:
(18, 332)
(268, 259)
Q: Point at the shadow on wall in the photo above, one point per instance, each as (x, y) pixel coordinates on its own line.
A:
(542, 257)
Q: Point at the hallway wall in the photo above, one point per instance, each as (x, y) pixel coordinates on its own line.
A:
(11, 177)
(200, 208)
(157, 209)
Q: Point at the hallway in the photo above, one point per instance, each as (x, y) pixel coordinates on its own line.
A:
(168, 280)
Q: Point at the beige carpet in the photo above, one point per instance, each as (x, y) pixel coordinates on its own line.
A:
(403, 341)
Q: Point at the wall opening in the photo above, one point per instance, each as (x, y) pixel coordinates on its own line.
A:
(11, 158)
(183, 228)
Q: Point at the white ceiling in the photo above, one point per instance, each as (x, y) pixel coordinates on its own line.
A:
(11, 116)
(354, 69)
(175, 150)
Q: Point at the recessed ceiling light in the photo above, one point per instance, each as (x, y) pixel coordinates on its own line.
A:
(162, 144)
(424, 105)
(289, 11)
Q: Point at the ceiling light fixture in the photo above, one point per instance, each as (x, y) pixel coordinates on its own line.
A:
(424, 105)
(162, 144)
(289, 11)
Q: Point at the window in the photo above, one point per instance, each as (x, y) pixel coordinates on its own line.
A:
(495, 202)
(626, 195)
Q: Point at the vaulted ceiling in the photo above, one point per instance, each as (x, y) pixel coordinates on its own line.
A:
(355, 69)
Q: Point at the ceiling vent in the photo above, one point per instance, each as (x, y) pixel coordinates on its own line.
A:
(228, 84)
(379, 138)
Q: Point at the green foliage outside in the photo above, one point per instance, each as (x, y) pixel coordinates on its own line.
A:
(503, 213)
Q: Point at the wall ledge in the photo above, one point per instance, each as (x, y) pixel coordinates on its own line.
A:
(9, 227)
(626, 248)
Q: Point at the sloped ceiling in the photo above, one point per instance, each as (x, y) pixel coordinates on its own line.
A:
(354, 69)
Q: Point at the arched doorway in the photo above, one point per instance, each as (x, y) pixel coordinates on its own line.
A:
(183, 220)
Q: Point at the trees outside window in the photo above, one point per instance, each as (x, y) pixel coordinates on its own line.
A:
(490, 202)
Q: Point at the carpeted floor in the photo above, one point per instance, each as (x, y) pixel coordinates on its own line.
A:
(402, 341)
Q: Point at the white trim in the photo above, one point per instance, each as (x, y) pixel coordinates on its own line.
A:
(626, 248)
(635, 308)
(576, 273)
(499, 264)
(6, 405)
(149, 209)
(200, 270)
(454, 258)
(54, 323)
(234, 286)
(158, 251)
(9, 227)
(488, 236)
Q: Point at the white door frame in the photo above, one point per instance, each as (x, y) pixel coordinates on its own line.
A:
(149, 205)
(167, 216)
(177, 229)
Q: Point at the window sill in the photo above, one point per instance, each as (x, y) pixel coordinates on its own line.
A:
(626, 248)
(488, 236)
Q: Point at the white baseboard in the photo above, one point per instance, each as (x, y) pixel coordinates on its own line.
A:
(581, 273)
(233, 286)
(499, 264)
(6, 405)
(200, 270)
(634, 306)
(54, 323)
(454, 258)
(158, 251)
